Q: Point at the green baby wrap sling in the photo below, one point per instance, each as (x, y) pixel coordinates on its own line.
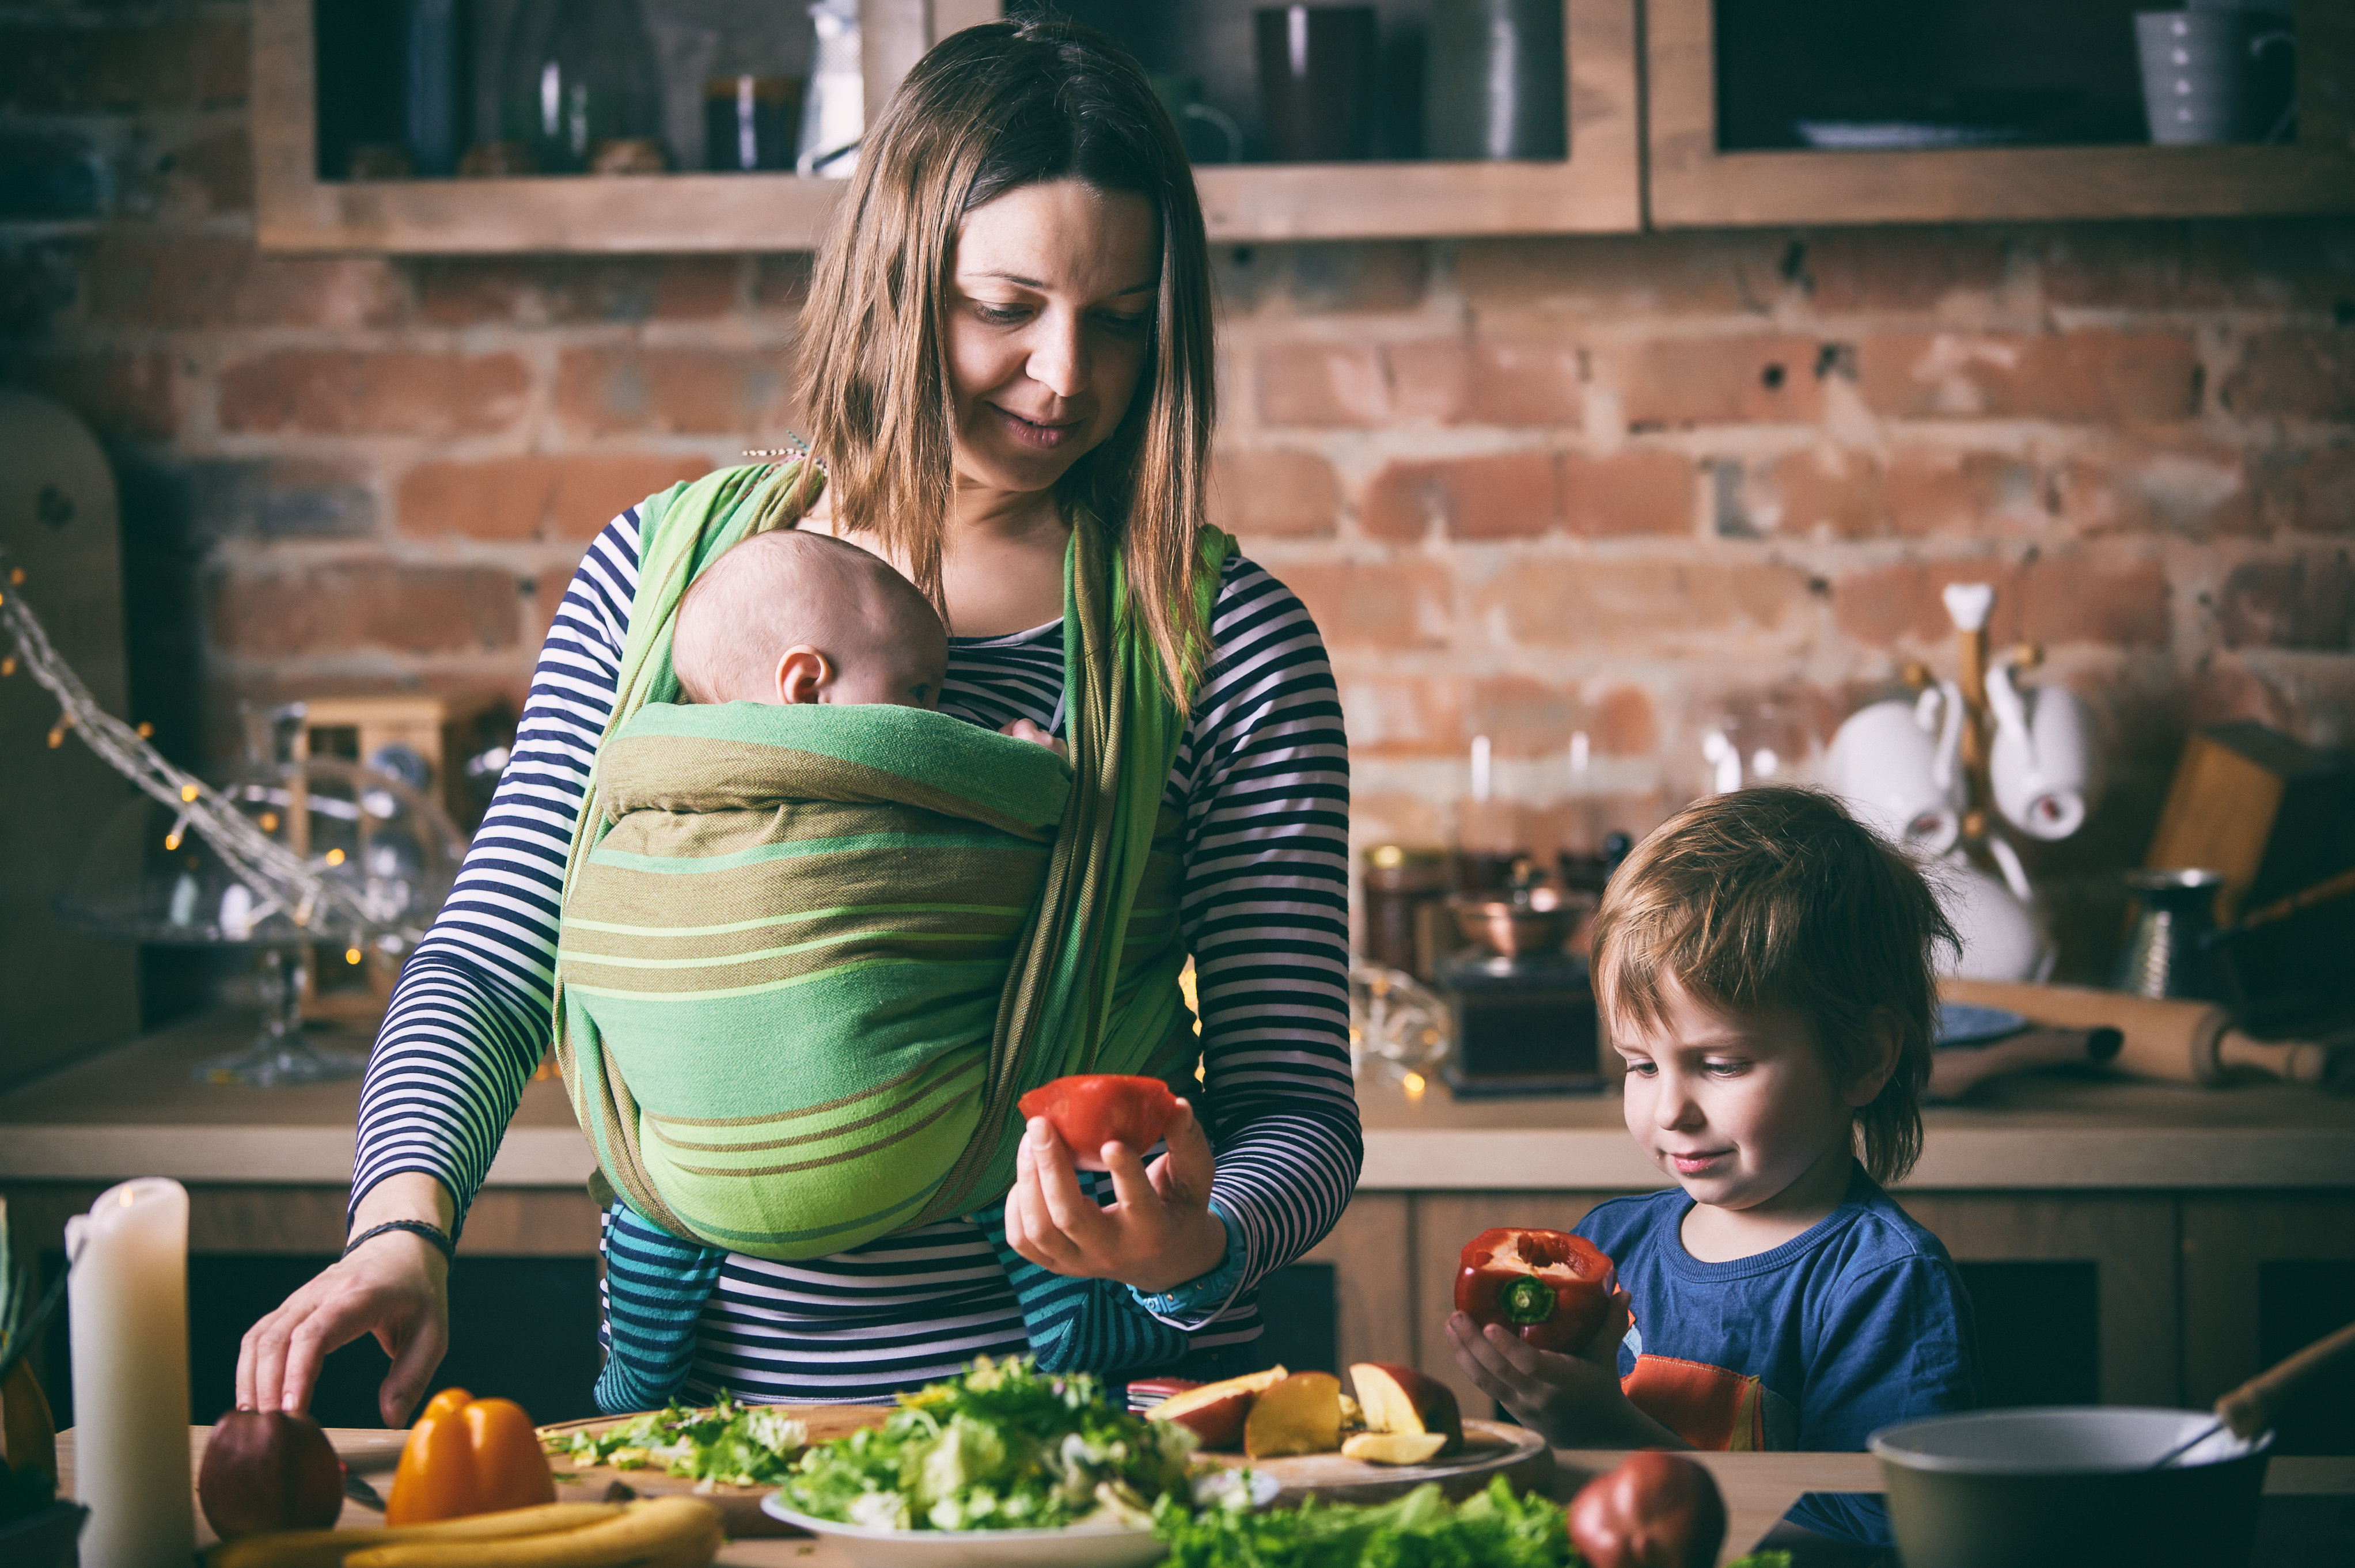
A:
(811, 957)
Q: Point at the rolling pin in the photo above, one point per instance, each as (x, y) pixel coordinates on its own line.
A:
(2183, 1041)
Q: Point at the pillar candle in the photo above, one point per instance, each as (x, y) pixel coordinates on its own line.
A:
(128, 1297)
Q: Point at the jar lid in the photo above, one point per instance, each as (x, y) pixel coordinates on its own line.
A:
(1390, 857)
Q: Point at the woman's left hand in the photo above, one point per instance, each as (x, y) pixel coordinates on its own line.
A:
(1157, 1236)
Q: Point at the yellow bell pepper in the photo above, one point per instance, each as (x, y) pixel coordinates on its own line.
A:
(468, 1455)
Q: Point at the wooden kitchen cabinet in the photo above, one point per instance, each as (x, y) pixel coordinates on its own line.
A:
(1700, 175)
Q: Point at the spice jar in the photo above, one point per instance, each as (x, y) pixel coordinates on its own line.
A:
(1408, 925)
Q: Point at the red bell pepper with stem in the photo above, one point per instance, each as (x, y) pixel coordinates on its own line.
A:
(1549, 1287)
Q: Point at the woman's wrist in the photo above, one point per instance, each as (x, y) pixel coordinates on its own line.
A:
(1200, 1250)
(407, 1195)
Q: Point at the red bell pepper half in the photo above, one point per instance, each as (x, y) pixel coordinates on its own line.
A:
(1551, 1289)
(1093, 1109)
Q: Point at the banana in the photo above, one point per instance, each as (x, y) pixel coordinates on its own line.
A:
(663, 1533)
(325, 1548)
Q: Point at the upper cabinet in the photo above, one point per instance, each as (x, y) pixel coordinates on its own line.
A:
(1400, 118)
(1932, 110)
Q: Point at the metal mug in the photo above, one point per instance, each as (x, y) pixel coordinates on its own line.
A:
(2168, 952)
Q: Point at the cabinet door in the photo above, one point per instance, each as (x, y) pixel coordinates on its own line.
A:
(2266, 1274)
(2128, 1316)
(1709, 166)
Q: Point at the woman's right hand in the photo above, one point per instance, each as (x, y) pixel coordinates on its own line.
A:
(395, 1287)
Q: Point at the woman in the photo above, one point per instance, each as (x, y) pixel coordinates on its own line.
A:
(1009, 331)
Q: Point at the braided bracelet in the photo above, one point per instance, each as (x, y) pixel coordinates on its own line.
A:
(433, 1233)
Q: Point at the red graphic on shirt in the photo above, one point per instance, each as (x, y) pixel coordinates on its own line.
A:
(1707, 1406)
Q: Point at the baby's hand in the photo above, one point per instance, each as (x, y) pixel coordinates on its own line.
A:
(1023, 729)
(1573, 1401)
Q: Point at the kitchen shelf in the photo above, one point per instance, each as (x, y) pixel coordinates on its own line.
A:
(1597, 188)
(1693, 183)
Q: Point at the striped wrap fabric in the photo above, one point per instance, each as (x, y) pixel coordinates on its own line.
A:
(810, 957)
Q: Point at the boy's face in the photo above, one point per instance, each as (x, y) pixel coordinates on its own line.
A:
(1738, 1108)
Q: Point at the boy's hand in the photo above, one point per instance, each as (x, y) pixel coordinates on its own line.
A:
(1023, 729)
(1574, 1401)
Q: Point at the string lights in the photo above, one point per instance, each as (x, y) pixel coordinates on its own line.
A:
(277, 877)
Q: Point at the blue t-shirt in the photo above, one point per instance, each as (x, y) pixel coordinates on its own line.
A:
(1858, 1323)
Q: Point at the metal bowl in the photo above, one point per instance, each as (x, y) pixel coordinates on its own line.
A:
(2061, 1486)
(1539, 921)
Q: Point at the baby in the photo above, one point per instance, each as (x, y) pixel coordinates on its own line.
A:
(790, 617)
(1762, 962)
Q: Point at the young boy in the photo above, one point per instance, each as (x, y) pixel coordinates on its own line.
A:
(789, 617)
(1763, 964)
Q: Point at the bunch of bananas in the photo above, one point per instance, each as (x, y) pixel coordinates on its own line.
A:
(658, 1533)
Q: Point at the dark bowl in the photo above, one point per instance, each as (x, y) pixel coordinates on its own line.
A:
(2065, 1487)
(1539, 921)
(43, 1540)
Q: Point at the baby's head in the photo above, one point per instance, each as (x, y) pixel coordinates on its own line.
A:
(788, 617)
(1759, 916)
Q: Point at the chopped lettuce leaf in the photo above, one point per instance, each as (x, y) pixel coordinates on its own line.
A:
(729, 1445)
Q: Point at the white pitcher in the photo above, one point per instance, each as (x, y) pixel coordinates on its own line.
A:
(2041, 760)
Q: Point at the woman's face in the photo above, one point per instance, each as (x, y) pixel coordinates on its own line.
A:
(1051, 309)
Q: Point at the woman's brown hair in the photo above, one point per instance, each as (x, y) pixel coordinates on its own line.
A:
(989, 109)
(1775, 897)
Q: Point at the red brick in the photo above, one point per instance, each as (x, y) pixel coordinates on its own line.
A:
(395, 391)
(535, 496)
(181, 62)
(1718, 380)
(1885, 268)
(134, 279)
(781, 282)
(349, 608)
(1386, 818)
(1511, 495)
(1652, 606)
(1847, 494)
(1615, 278)
(1636, 492)
(1289, 494)
(1357, 275)
(2094, 377)
(533, 291)
(2226, 691)
(2306, 373)
(1530, 716)
(2285, 262)
(1939, 491)
(1516, 383)
(2305, 602)
(1323, 384)
(1428, 380)
(1411, 716)
(1402, 604)
(689, 391)
(119, 394)
(217, 171)
(2048, 598)
(2309, 491)
(2174, 484)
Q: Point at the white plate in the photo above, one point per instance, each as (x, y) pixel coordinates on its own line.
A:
(366, 1448)
(1071, 1547)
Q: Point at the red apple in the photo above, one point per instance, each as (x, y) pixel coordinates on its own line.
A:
(265, 1469)
(1393, 1448)
(1302, 1415)
(1215, 1413)
(1403, 1400)
(1655, 1510)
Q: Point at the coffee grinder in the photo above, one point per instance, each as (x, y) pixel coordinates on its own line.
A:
(1523, 1008)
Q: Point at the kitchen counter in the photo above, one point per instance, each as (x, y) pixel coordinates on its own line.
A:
(1759, 1489)
(135, 1111)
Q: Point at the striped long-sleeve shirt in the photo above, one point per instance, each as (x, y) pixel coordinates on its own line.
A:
(1262, 777)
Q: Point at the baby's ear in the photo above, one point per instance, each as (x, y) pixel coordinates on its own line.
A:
(1884, 1038)
(803, 674)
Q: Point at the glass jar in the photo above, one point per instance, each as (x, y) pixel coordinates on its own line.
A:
(579, 86)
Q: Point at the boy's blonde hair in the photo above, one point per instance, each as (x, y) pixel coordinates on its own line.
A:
(1775, 897)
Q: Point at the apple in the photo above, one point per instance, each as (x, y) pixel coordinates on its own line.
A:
(1402, 1399)
(1394, 1447)
(1301, 1415)
(1655, 1510)
(1215, 1413)
(266, 1469)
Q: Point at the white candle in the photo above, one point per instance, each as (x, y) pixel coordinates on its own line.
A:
(128, 1300)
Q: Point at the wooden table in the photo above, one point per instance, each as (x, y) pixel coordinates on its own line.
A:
(1759, 1489)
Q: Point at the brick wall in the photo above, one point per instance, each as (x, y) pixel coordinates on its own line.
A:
(1626, 487)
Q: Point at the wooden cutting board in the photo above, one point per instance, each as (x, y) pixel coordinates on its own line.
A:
(1491, 1448)
(740, 1505)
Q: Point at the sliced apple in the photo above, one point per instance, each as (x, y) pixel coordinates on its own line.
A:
(1302, 1415)
(1394, 1447)
(1214, 1412)
(1353, 1419)
(1405, 1401)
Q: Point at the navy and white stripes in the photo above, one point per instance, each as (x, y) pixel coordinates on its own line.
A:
(1262, 777)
